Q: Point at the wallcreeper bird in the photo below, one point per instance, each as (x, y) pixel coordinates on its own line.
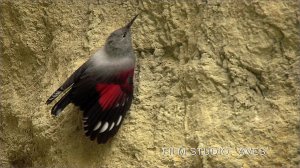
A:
(102, 87)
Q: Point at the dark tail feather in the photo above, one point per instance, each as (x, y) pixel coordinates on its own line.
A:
(61, 104)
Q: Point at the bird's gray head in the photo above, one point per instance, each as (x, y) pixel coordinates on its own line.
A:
(119, 41)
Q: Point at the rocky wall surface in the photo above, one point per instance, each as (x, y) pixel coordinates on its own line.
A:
(217, 83)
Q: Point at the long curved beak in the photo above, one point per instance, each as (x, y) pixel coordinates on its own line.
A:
(131, 22)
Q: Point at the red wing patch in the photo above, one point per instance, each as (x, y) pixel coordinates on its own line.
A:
(110, 95)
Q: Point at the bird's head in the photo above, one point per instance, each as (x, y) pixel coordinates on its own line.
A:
(119, 41)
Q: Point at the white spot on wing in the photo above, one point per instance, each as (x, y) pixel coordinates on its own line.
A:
(97, 126)
(112, 125)
(104, 128)
(119, 120)
(118, 105)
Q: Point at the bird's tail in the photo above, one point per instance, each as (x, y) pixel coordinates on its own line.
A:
(61, 104)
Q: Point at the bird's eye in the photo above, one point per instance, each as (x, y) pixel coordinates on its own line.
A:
(124, 35)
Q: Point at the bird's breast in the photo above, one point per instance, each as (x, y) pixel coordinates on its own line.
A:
(103, 65)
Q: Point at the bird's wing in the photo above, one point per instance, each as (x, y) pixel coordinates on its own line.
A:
(72, 79)
(104, 103)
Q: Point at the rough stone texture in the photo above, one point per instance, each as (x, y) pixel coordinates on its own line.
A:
(210, 74)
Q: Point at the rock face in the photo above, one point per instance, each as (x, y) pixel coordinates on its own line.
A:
(220, 76)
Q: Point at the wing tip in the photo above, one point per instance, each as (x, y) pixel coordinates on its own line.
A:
(48, 101)
(55, 111)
